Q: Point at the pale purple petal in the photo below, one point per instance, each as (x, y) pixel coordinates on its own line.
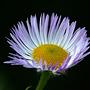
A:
(48, 31)
(19, 62)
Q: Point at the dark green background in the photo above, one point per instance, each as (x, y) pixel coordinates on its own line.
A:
(17, 77)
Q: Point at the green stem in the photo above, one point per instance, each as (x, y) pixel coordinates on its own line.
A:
(28, 88)
(43, 80)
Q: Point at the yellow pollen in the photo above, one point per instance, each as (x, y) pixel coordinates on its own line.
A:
(51, 54)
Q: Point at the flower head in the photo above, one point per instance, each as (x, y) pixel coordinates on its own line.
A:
(51, 44)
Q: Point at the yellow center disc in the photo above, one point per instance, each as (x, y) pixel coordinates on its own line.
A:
(51, 54)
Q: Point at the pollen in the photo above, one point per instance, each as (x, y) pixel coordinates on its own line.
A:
(49, 53)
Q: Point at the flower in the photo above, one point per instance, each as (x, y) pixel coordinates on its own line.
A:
(51, 44)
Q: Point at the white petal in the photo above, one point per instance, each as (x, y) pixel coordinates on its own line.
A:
(60, 31)
(20, 50)
(45, 29)
(76, 37)
(70, 34)
(31, 33)
(64, 28)
(41, 23)
(23, 35)
(71, 59)
(65, 37)
(52, 28)
(35, 29)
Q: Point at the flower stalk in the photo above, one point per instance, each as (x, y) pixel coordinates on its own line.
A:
(43, 80)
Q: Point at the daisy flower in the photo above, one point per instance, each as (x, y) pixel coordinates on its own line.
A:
(50, 44)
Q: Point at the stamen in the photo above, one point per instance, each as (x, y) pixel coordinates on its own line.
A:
(49, 53)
